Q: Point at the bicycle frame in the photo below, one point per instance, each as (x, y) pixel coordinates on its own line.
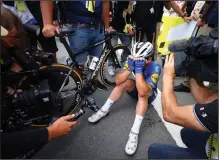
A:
(107, 45)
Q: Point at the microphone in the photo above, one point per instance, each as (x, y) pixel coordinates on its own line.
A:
(178, 45)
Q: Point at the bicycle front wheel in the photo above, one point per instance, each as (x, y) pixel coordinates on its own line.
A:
(122, 52)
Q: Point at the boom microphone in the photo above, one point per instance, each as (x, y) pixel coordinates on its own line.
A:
(178, 46)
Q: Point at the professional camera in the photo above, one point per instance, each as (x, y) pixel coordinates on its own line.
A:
(201, 57)
(21, 106)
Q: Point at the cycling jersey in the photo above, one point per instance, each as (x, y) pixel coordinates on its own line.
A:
(151, 74)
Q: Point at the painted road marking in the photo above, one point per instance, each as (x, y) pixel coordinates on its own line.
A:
(173, 129)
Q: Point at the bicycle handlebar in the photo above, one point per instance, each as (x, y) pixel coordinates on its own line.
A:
(32, 29)
(118, 33)
(66, 31)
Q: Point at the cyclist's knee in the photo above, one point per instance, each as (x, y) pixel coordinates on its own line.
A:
(129, 85)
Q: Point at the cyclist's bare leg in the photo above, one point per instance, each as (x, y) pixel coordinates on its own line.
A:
(114, 96)
(119, 89)
(141, 106)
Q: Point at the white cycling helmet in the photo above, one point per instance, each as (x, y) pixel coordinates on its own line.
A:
(142, 49)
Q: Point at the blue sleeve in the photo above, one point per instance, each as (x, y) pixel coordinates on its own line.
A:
(153, 78)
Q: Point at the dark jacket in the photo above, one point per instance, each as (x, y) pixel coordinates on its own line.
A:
(118, 21)
(18, 143)
(144, 17)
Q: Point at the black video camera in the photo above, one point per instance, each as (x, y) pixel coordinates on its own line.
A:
(24, 105)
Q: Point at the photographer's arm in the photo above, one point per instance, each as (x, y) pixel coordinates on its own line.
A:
(172, 111)
(18, 143)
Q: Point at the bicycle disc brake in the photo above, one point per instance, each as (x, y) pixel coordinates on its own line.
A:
(89, 88)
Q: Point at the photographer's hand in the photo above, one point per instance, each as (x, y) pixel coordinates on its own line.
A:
(169, 70)
(60, 127)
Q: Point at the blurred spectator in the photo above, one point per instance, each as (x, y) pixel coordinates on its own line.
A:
(47, 44)
(148, 16)
(208, 15)
(121, 20)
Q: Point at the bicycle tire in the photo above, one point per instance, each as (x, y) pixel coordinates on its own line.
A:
(75, 76)
(104, 79)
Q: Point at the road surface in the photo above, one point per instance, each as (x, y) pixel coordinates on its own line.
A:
(107, 138)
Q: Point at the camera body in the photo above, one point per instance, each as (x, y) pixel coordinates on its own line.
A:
(20, 107)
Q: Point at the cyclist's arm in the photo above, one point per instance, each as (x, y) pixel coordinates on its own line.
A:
(47, 11)
(173, 112)
(105, 12)
(122, 77)
(142, 87)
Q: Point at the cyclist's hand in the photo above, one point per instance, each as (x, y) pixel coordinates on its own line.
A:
(109, 29)
(139, 65)
(169, 70)
(131, 63)
(187, 19)
(49, 30)
(60, 127)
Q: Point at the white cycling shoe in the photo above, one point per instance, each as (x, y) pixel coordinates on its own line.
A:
(97, 116)
(132, 143)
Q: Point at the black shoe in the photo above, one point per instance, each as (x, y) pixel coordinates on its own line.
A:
(181, 88)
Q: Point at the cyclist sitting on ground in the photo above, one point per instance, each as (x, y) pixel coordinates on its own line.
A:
(143, 88)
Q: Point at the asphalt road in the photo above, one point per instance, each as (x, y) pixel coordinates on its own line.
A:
(107, 138)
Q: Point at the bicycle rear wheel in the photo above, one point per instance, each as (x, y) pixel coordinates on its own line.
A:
(122, 52)
(69, 98)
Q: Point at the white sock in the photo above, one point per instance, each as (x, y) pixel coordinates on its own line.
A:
(137, 124)
(107, 105)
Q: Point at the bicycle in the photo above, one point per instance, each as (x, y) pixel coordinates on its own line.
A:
(25, 112)
(69, 82)
(108, 51)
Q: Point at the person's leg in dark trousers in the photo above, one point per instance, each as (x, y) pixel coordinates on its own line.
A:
(139, 34)
(150, 31)
(48, 45)
(195, 141)
(163, 151)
